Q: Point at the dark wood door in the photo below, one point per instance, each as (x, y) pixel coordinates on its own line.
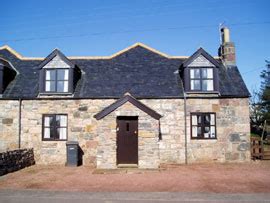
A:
(127, 140)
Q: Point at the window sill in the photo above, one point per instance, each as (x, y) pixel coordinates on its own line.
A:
(203, 138)
(55, 93)
(202, 92)
(46, 95)
(53, 140)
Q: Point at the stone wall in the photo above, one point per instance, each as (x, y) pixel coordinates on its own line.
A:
(148, 135)
(15, 160)
(82, 127)
(232, 127)
(97, 139)
(9, 133)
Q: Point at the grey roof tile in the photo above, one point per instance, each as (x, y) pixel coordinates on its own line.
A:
(140, 71)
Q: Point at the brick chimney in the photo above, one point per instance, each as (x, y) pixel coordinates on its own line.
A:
(227, 48)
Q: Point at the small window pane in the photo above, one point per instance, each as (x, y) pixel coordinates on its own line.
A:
(57, 134)
(66, 86)
(61, 120)
(199, 131)
(48, 121)
(197, 73)
(192, 74)
(62, 74)
(206, 132)
(213, 132)
(195, 84)
(199, 119)
(207, 85)
(62, 132)
(50, 86)
(210, 86)
(204, 73)
(212, 119)
(47, 133)
(207, 119)
(207, 73)
(62, 86)
(50, 74)
(194, 131)
(194, 120)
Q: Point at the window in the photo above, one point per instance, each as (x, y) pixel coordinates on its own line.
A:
(56, 80)
(54, 127)
(201, 79)
(203, 126)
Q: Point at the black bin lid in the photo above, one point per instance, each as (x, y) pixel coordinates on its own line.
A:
(72, 143)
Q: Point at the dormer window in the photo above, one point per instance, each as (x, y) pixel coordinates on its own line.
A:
(57, 80)
(200, 73)
(58, 75)
(201, 79)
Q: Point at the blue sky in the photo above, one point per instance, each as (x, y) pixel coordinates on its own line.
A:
(175, 27)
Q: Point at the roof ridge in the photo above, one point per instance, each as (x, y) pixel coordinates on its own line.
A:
(19, 56)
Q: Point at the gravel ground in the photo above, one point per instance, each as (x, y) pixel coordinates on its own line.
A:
(251, 177)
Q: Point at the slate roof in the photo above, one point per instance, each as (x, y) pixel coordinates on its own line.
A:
(138, 70)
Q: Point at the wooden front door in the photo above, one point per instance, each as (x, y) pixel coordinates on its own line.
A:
(127, 140)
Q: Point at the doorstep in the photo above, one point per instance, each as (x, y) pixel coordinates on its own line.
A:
(127, 166)
(125, 171)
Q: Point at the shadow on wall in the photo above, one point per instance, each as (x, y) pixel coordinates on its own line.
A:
(80, 156)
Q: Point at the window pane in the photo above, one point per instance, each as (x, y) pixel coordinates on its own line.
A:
(195, 73)
(207, 73)
(207, 119)
(195, 85)
(199, 131)
(194, 120)
(210, 86)
(212, 132)
(48, 121)
(212, 119)
(57, 134)
(62, 86)
(204, 72)
(207, 85)
(192, 74)
(66, 86)
(62, 133)
(47, 133)
(206, 132)
(194, 131)
(50, 74)
(61, 120)
(199, 118)
(62, 74)
(50, 86)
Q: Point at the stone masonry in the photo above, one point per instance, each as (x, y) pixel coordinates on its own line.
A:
(97, 138)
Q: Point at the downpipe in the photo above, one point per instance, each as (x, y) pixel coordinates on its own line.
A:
(19, 123)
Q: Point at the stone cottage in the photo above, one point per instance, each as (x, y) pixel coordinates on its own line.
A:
(138, 107)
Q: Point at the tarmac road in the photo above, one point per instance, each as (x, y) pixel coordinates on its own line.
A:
(39, 196)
